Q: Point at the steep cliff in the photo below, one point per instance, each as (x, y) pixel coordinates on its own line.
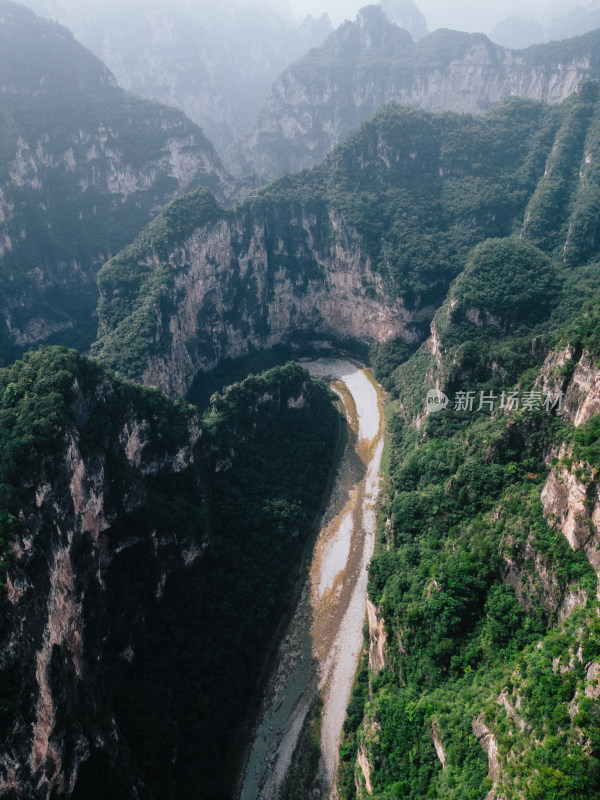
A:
(485, 583)
(236, 284)
(362, 247)
(319, 100)
(83, 167)
(214, 61)
(137, 572)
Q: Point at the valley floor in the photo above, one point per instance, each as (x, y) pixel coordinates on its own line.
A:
(319, 654)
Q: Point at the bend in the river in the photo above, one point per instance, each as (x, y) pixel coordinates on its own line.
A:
(319, 653)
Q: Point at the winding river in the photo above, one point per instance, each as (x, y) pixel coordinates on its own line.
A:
(319, 653)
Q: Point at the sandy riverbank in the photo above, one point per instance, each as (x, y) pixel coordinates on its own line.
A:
(320, 651)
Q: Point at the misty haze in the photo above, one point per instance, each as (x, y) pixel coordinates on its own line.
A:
(299, 400)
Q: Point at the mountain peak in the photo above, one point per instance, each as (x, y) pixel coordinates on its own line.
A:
(376, 29)
(405, 14)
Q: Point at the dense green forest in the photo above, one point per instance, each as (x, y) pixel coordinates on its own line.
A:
(470, 573)
(410, 194)
(200, 544)
(166, 539)
(490, 612)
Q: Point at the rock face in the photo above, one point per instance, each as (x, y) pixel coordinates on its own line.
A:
(377, 639)
(571, 495)
(84, 167)
(236, 287)
(574, 508)
(582, 399)
(535, 583)
(317, 101)
(215, 62)
(364, 765)
(349, 249)
(489, 744)
(121, 534)
(78, 527)
(274, 305)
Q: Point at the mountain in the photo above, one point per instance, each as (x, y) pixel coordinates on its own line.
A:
(137, 574)
(580, 20)
(214, 61)
(516, 32)
(464, 251)
(405, 14)
(361, 247)
(83, 167)
(319, 100)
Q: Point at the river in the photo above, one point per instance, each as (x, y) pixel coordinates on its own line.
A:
(319, 652)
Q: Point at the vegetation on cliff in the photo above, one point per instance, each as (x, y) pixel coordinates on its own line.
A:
(492, 220)
(487, 228)
(84, 166)
(320, 99)
(410, 194)
(490, 613)
(181, 570)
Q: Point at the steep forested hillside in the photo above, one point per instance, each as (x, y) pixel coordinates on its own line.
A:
(363, 246)
(83, 167)
(486, 576)
(317, 101)
(477, 236)
(147, 557)
(149, 549)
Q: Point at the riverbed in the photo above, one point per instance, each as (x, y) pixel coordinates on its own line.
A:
(319, 653)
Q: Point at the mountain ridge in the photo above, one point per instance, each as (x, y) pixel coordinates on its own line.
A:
(84, 166)
(362, 247)
(319, 100)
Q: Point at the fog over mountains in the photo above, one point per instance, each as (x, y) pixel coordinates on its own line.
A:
(195, 200)
(215, 62)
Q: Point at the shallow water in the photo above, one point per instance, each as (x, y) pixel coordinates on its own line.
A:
(320, 650)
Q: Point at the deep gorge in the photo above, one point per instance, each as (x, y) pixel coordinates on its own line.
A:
(151, 548)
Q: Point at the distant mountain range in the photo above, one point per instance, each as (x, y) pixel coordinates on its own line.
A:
(317, 101)
(84, 166)
(517, 32)
(214, 61)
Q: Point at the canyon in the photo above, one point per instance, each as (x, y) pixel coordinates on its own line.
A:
(319, 654)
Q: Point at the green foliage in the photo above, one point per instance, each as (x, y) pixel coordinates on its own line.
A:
(83, 169)
(586, 443)
(417, 191)
(137, 285)
(469, 577)
(508, 278)
(243, 510)
(270, 463)
(547, 214)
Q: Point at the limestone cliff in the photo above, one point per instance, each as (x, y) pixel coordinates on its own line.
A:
(214, 61)
(128, 549)
(571, 496)
(77, 530)
(317, 101)
(363, 246)
(84, 166)
(572, 505)
(235, 284)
